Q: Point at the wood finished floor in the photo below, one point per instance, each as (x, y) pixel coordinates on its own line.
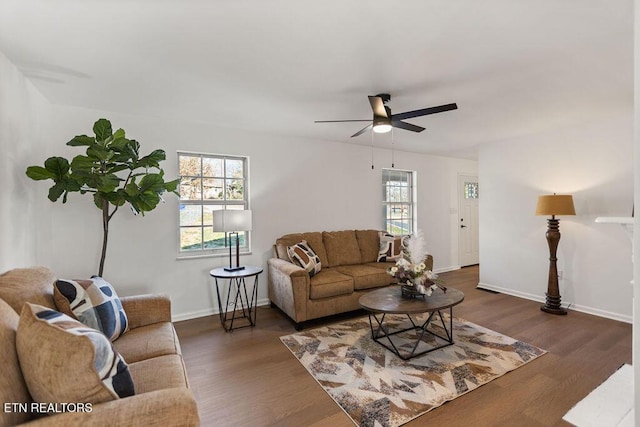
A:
(249, 378)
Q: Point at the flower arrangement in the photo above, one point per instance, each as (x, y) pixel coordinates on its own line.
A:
(411, 271)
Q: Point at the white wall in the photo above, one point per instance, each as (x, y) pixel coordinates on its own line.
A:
(295, 185)
(23, 115)
(594, 163)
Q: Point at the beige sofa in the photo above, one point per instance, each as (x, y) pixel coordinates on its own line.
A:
(150, 348)
(349, 269)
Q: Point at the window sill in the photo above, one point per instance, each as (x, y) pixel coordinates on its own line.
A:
(217, 255)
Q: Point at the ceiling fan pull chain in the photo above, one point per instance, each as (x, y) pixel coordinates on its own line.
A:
(393, 165)
(371, 150)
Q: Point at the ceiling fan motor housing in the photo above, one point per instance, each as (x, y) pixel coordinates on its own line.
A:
(385, 97)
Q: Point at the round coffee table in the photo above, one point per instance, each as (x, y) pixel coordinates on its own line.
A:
(389, 300)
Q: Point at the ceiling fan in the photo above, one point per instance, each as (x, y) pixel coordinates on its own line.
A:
(383, 120)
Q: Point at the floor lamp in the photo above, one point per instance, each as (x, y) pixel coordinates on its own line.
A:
(554, 205)
(232, 222)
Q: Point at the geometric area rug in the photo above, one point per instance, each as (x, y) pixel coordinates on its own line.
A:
(374, 387)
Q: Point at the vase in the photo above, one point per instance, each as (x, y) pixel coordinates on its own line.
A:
(410, 291)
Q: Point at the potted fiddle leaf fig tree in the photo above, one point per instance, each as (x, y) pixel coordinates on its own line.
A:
(112, 171)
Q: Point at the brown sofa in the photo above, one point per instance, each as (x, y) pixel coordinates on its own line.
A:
(150, 348)
(349, 269)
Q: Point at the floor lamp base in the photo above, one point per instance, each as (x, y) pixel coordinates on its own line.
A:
(552, 305)
(553, 310)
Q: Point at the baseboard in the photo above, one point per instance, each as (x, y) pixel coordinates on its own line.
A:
(208, 312)
(581, 308)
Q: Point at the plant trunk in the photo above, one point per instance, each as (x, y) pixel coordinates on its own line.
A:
(105, 234)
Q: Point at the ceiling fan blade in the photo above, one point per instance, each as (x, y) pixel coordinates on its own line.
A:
(363, 130)
(377, 105)
(406, 126)
(424, 112)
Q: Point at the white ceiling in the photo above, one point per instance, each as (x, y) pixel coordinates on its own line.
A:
(513, 66)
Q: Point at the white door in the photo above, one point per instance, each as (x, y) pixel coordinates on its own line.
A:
(468, 219)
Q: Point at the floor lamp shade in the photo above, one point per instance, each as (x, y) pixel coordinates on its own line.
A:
(232, 222)
(554, 204)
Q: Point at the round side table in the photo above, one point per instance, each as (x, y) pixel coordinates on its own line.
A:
(242, 305)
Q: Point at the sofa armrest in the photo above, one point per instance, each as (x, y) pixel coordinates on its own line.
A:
(289, 288)
(169, 407)
(429, 262)
(145, 310)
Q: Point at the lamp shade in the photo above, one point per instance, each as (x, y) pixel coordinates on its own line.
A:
(232, 220)
(555, 204)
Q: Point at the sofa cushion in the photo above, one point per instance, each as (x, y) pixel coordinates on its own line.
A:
(93, 302)
(301, 254)
(12, 386)
(314, 240)
(330, 283)
(390, 247)
(342, 247)
(369, 244)
(65, 361)
(145, 342)
(34, 284)
(159, 373)
(366, 277)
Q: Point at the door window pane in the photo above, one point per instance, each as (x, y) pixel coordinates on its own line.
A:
(470, 190)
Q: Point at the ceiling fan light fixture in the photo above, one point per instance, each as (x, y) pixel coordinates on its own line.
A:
(381, 125)
(382, 128)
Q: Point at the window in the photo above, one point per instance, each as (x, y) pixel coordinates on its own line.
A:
(398, 201)
(470, 190)
(209, 183)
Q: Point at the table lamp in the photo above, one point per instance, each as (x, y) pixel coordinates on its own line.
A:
(232, 222)
(554, 204)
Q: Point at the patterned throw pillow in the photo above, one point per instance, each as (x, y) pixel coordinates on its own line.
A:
(63, 360)
(301, 254)
(390, 247)
(93, 302)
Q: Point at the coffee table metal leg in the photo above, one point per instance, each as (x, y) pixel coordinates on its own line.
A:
(375, 335)
(378, 337)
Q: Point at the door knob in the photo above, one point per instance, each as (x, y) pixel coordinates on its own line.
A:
(463, 226)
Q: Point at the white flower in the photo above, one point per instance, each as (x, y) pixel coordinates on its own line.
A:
(431, 275)
(402, 263)
(393, 270)
(422, 266)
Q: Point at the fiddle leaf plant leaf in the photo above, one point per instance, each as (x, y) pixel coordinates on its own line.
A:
(82, 140)
(102, 129)
(119, 134)
(172, 186)
(100, 153)
(56, 191)
(152, 182)
(153, 159)
(38, 173)
(58, 166)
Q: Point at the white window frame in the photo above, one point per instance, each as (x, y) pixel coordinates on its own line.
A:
(245, 247)
(410, 204)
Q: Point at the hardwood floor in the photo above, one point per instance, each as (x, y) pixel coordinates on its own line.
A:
(249, 378)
